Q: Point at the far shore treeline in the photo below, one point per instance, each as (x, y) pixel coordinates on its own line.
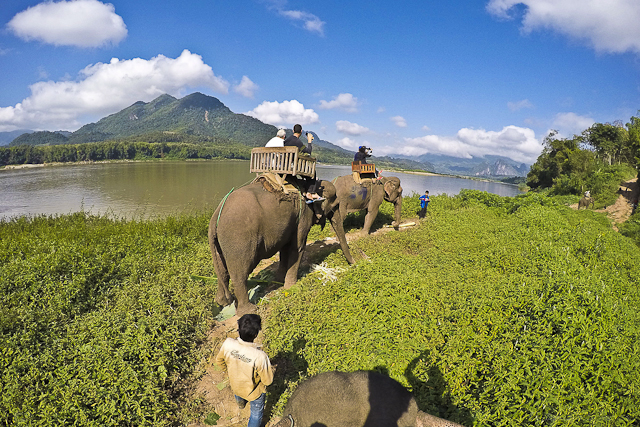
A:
(165, 146)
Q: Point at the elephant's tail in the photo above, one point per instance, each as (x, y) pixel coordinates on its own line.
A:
(219, 263)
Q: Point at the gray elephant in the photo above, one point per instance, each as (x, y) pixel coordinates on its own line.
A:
(585, 202)
(354, 197)
(355, 399)
(253, 223)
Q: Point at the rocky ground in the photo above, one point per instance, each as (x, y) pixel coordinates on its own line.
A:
(213, 386)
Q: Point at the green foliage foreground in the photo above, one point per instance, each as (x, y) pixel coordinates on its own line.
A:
(99, 321)
(514, 314)
(494, 311)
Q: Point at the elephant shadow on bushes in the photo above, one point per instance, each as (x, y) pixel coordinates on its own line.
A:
(432, 395)
(291, 366)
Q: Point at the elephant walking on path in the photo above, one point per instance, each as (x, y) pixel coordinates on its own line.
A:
(354, 197)
(255, 222)
(585, 202)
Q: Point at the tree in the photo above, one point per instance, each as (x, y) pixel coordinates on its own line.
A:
(633, 128)
(609, 141)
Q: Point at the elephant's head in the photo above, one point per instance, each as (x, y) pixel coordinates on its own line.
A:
(393, 194)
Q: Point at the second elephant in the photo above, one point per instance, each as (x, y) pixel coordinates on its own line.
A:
(585, 202)
(355, 399)
(354, 197)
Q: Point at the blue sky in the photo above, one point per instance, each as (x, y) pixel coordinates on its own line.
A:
(459, 78)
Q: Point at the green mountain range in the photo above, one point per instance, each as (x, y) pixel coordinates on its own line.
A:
(206, 120)
(195, 114)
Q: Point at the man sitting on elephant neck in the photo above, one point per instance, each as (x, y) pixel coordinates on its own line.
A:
(249, 368)
(361, 155)
(294, 141)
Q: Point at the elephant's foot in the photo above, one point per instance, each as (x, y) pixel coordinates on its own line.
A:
(223, 299)
(246, 308)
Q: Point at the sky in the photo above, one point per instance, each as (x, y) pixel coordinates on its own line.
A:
(461, 78)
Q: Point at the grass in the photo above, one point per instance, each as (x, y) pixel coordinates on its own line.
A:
(493, 311)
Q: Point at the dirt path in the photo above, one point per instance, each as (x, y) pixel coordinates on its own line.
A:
(620, 211)
(213, 386)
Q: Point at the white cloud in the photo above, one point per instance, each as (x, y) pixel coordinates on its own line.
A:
(426, 128)
(517, 143)
(608, 26)
(399, 121)
(350, 128)
(284, 113)
(381, 109)
(347, 143)
(107, 88)
(246, 87)
(310, 22)
(519, 105)
(569, 124)
(344, 101)
(81, 23)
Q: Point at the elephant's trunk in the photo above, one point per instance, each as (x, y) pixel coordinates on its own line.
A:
(398, 208)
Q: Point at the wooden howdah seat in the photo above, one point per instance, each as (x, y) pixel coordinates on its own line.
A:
(282, 160)
(362, 171)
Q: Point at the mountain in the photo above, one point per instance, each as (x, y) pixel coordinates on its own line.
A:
(195, 114)
(43, 137)
(7, 137)
(488, 166)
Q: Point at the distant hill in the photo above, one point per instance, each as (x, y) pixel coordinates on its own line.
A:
(42, 137)
(488, 166)
(7, 137)
(195, 114)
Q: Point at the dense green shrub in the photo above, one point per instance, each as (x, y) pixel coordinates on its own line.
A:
(99, 320)
(490, 317)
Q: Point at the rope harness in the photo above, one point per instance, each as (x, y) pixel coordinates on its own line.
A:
(301, 201)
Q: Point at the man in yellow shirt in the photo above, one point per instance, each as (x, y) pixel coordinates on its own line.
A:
(248, 367)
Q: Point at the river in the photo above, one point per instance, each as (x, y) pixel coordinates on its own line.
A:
(149, 189)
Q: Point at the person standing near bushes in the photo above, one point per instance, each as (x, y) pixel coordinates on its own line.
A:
(424, 204)
(248, 367)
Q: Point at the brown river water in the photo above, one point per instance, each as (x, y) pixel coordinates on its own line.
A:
(151, 189)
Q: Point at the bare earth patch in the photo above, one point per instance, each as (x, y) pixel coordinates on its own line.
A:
(620, 211)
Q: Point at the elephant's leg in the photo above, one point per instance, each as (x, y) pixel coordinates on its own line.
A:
(338, 228)
(293, 257)
(283, 265)
(240, 267)
(372, 213)
(223, 296)
(242, 295)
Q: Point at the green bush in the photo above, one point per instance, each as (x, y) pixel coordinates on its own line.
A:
(489, 317)
(99, 320)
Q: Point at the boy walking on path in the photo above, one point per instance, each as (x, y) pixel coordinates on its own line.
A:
(248, 367)
(424, 203)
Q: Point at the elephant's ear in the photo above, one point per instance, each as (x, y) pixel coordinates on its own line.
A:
(389, 186)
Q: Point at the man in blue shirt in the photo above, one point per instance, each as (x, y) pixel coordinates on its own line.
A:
(424, 203)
